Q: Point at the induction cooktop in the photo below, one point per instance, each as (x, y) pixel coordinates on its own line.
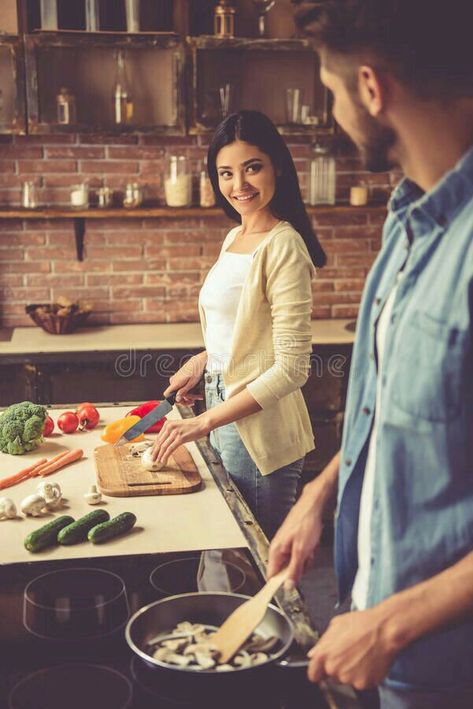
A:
(62, 641)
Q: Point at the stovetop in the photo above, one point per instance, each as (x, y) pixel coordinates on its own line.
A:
(62, 642)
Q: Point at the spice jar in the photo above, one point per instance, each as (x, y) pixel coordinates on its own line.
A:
(66, 107)
(206, 192)
(178, 182)
(322, 177)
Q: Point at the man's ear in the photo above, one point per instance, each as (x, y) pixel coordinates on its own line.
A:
(372, 89)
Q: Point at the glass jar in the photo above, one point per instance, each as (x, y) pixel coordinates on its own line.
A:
(178, 182)
(206, 192)
(29, 198)
(79, 196)
(66, 107)
(133, 195)
(322, 177)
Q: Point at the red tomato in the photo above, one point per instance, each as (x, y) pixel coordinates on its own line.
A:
(88, 417)
(68, 422)
(48, 427)
(79, 407)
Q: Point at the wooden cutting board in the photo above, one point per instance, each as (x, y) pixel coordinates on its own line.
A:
(119, 474)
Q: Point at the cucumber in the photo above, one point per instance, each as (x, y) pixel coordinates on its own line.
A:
(46, 536)
(77, 531)
(107, 530)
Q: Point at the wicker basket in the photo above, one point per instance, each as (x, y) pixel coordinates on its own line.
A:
(57, 319)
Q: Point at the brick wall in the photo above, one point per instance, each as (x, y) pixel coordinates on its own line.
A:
(150, 270)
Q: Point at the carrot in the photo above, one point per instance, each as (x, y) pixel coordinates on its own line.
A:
(64, 460)
(21, 475)
(46, 463)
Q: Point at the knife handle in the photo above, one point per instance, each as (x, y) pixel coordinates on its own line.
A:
(171, 399)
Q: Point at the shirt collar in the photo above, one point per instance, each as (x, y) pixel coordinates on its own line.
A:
(442, 202)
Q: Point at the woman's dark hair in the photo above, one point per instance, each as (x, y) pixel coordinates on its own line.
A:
(255, 128)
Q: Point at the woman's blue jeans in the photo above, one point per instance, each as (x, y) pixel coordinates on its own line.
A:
(269, 497)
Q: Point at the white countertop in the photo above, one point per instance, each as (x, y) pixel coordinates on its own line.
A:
(168, 523)
(33, 340)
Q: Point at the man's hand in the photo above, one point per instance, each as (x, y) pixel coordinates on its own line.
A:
(296, 541)
(355, 649)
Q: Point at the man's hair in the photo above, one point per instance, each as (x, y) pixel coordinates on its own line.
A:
(426, 44)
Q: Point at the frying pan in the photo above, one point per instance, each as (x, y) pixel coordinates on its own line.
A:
(161, 617)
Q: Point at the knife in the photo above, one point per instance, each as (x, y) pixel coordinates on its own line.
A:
(154, 415)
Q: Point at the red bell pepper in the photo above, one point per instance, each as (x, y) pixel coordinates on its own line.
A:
(144, 409)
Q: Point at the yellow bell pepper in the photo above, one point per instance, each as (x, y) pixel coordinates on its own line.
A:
(113, 431)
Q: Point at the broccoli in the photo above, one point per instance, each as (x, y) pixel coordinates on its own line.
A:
(21, 427)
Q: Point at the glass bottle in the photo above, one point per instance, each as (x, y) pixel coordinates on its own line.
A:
(48, 10)
(92, 15)
(178, 182)
(122, 100)
(322, 177)
(132, 8)
(66, 107)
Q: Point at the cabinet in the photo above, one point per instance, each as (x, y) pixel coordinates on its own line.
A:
(12, 105)
(87, 64)
(232, 74)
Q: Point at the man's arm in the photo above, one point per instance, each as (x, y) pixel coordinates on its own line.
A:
(296, 541)
(358, 648)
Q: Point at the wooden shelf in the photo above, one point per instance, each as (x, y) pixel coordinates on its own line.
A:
(156, 212)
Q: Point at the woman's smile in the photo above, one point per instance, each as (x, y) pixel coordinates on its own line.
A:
(246, 177)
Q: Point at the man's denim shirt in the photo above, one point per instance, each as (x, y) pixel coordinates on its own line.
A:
(422, 515)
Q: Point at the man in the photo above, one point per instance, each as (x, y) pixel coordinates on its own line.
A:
(401, 75)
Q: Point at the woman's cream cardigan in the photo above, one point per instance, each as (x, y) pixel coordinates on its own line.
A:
(271, 347)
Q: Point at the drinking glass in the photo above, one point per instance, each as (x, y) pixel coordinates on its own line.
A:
(293, 105)
(262, 7)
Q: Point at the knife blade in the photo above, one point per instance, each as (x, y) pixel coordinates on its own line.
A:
(155, 415)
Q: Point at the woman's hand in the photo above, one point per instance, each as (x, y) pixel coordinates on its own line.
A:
(187, 377)
(174, 433)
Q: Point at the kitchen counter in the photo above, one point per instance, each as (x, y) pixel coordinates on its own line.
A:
(170, 336)
(168, 523)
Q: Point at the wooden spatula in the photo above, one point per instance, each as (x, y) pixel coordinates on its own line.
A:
(240, 624)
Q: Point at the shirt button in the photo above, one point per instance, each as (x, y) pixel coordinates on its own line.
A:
(366, 410)
(347, 461)
(208, 378)
(372, 561)
(377, 301)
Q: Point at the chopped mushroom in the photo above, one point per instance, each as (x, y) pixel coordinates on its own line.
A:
(190, 646)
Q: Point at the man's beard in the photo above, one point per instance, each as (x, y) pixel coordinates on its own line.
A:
(377, 140)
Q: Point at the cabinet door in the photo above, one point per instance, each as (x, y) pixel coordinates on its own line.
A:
(12, 106)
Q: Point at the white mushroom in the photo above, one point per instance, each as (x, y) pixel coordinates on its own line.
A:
(7, 508)
(136, 449)
(147, 461)
(33, 505)
(51, 493)
(93, 496)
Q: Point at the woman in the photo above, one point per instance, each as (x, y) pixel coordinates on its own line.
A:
(255, 309)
